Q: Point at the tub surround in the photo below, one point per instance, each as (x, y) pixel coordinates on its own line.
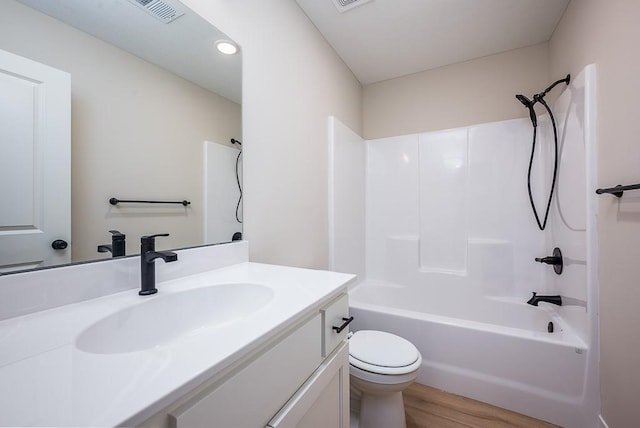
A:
(450, 243)
(46, 379)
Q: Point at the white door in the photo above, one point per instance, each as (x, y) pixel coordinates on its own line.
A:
(35, 166)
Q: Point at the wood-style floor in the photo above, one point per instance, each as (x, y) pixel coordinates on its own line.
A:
(427, 407)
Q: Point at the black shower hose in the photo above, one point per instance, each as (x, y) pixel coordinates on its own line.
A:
(555, 166)
(239, 187)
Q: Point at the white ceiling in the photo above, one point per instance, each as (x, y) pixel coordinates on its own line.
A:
(384, 39)
(184, 47)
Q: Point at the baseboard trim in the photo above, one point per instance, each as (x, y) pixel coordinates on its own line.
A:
(603, 424)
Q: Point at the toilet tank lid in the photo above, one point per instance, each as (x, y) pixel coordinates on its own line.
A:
(382, 349)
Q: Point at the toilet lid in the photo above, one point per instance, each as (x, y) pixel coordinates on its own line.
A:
(381, 349)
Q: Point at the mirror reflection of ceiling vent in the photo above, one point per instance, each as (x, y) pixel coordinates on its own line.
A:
(345, 5)
(160, 9)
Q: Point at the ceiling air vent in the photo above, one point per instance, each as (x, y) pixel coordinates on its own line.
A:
(159, 9)
(345, 5)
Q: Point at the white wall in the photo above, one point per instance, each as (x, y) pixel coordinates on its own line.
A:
(292, 81)
(607, 33)
(137, 132)
(476, 91)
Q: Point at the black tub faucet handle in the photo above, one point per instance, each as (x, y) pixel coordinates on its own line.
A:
(555, 260)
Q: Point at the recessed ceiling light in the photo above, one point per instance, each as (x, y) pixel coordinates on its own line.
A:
(226, 47)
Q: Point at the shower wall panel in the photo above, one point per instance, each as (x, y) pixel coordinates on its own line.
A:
(450, 209)
(499, 209)
(574, 209)
(455, 203)
(393, 197)
(444, 190)
(347, 175)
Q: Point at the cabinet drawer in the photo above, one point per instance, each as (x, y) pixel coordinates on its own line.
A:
(251, 396)
(323, 400)
(335, 314)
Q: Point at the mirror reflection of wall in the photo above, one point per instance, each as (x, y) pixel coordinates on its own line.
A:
(137, 132)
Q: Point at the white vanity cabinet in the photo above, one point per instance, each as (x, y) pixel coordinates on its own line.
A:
(323, 400)
(298, 379)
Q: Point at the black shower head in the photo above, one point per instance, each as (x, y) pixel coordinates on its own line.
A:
(529, 104)
(524, 100)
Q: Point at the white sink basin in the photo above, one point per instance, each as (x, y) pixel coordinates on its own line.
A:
(160, 319)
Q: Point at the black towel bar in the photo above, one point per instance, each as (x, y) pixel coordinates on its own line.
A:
(618, 190)
(116, 201)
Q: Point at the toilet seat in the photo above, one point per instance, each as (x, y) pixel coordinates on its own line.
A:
(383, 353)
(381, 366)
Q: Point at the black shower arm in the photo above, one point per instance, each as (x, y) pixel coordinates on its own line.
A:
(541, 95)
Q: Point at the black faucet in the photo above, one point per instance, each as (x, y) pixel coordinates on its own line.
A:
(118, 247)
(535, 299)
(148, 255)
(555, 260)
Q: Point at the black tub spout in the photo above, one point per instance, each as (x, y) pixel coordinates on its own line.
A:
(535, 299)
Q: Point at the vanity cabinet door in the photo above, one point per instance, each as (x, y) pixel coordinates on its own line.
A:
(323, 400)
(249, 397)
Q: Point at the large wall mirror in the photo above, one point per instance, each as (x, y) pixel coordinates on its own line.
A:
(153, 110)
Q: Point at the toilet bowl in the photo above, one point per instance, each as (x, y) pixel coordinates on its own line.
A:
(381, 366)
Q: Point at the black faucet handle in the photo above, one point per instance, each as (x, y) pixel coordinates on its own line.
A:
(550, 260)
(154, 236)
(148, 243)
(116, 233)
(151, 239)
(555, 260)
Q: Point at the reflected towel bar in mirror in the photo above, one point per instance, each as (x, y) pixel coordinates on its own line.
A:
(618, 190)
(116, 201)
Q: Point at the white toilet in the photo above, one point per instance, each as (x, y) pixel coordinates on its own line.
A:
(382, 365)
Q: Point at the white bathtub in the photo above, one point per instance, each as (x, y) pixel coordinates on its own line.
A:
(494, 350)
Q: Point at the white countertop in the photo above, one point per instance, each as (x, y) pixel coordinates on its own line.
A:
(46, 380)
